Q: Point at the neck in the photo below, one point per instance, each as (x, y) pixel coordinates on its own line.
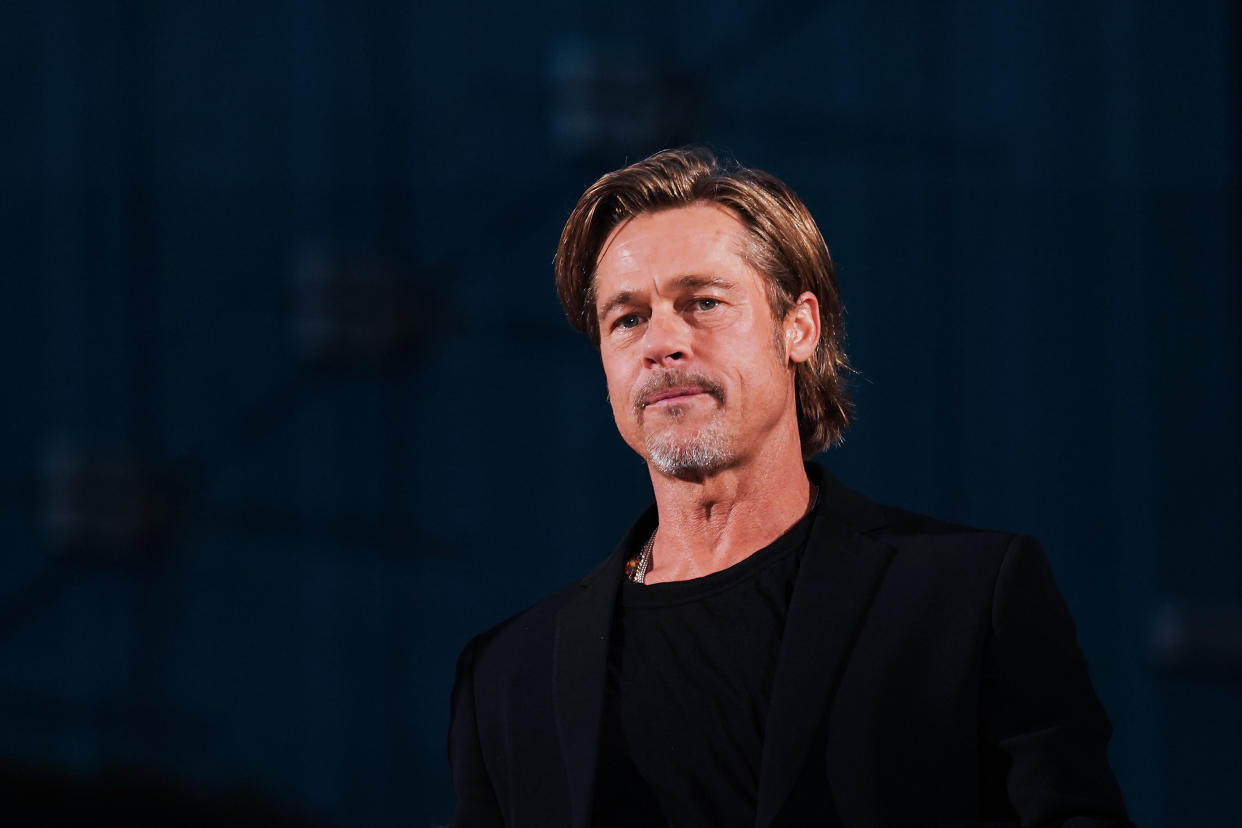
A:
(711, 523)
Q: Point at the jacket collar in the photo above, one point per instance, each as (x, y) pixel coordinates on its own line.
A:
(583, 630)
(839, 573)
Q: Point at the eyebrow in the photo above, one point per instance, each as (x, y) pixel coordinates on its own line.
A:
(688, 282)
(692, 282)
(618, 300)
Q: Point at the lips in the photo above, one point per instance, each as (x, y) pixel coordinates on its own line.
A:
(674, 386)
(673, 393)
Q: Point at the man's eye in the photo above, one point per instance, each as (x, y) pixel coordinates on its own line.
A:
(706, 304)
(630, 320)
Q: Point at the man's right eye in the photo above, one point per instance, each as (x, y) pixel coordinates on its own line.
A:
(630, 320)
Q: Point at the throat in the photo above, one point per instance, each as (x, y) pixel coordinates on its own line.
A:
(711, 537)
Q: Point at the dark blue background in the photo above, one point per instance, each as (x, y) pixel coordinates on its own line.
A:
(290, 410)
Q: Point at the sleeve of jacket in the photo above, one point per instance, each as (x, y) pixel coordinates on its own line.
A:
(1038, 705)
(475, 799)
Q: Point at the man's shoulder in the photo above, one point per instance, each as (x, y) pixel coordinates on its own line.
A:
(904, 525)
(914, 534)
(539, 618)
(533, 629)
(925, 557)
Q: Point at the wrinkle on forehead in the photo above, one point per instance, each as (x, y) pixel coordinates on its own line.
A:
(738, 235)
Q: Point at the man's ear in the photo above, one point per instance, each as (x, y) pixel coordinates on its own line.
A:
(802, 328)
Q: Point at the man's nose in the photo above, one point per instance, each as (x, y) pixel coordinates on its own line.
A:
(667, 339)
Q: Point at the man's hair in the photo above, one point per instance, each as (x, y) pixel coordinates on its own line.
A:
(785, 247)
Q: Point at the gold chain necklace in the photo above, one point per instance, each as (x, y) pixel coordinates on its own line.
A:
(643, 562)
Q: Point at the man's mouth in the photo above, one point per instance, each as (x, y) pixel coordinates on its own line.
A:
(672, 395)
(667, 390)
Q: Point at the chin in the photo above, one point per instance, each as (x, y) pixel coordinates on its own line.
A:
(689, 456)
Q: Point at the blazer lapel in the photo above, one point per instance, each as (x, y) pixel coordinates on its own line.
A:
(583, 628)
(839, 574)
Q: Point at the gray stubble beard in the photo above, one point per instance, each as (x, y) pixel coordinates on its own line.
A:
(695, 456)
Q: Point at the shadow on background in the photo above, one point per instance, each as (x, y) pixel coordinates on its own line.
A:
(291, 411)
(132, 797)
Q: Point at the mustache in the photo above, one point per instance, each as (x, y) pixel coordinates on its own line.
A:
(677, 379)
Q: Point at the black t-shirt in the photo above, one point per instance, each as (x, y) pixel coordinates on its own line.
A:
(690, 670)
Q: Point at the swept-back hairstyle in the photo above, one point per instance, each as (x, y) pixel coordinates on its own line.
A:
(785, 246)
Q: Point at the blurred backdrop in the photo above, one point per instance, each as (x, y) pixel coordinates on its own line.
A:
(291, 411)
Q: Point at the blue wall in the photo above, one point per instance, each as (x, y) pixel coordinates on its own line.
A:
(291, 411)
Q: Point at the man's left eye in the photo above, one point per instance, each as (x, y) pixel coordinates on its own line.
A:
(706, 304)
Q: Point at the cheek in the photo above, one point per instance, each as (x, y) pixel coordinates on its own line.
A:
(618, 390)
(765, 373)
(616, 399)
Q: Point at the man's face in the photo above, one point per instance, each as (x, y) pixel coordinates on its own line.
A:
(696, 366)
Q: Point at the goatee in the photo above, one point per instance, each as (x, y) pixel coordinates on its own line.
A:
(694, 455)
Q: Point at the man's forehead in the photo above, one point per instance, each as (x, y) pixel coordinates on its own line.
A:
(684, 248)
(703, 221)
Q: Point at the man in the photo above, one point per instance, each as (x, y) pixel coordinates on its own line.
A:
(765, 647)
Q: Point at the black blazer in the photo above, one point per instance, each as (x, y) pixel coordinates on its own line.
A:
(928, 675)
